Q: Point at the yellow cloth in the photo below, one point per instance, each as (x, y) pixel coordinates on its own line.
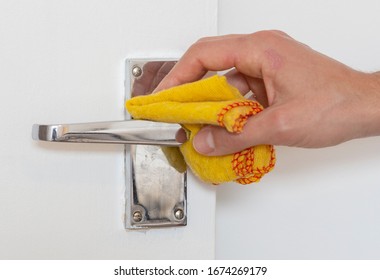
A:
(211, 101)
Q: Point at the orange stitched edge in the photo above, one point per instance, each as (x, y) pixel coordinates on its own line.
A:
(242, 164)
(239, 123)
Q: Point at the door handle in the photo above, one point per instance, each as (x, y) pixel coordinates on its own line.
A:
(155, 191)
(115, 132)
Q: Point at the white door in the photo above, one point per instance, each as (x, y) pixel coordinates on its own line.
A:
(316, 204)
(63, 62)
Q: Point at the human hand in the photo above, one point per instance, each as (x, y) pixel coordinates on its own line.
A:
(311, 100)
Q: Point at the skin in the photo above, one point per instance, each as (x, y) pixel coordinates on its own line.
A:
(310, 100)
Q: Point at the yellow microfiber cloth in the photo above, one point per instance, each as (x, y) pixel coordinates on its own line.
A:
(211, 101)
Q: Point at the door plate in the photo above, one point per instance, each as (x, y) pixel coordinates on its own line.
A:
(156, 192)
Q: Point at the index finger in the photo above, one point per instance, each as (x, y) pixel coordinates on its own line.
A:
(244, 52)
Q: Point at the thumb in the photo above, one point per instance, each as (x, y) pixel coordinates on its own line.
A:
(216, 141)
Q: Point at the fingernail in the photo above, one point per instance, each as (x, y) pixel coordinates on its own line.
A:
(204, 141)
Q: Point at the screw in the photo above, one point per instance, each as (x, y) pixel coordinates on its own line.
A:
(136, 71)
(178, 214)
(137, 216)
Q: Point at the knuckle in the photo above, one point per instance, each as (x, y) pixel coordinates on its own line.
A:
(204, 39)
(269, 35)
(279, 32)
(197, 46)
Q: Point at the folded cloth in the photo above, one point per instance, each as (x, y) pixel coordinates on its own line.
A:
(210, 101)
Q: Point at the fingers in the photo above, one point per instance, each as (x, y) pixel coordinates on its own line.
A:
(244, 52)
(238, 80)
(251, 57)
(257, 86)
(245, 84)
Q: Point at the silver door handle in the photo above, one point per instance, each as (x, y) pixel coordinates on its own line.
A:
(114, 132)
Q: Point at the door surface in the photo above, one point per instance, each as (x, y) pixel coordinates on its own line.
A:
(63, 62)
(316, 204)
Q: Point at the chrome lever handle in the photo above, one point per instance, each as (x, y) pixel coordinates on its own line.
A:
(114, 132)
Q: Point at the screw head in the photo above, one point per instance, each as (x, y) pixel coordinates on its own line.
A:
(136, 71)
(179, 214)
(137, 216)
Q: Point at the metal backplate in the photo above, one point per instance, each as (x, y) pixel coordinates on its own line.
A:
(155, 190)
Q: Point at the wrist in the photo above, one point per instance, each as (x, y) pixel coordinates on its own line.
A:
(371, 104)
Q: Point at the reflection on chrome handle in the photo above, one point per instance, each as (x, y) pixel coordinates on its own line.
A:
(114, 132)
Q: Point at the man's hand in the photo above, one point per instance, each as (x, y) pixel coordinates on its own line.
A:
(311, 100)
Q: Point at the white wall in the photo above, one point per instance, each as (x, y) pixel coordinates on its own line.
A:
(316, 204)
